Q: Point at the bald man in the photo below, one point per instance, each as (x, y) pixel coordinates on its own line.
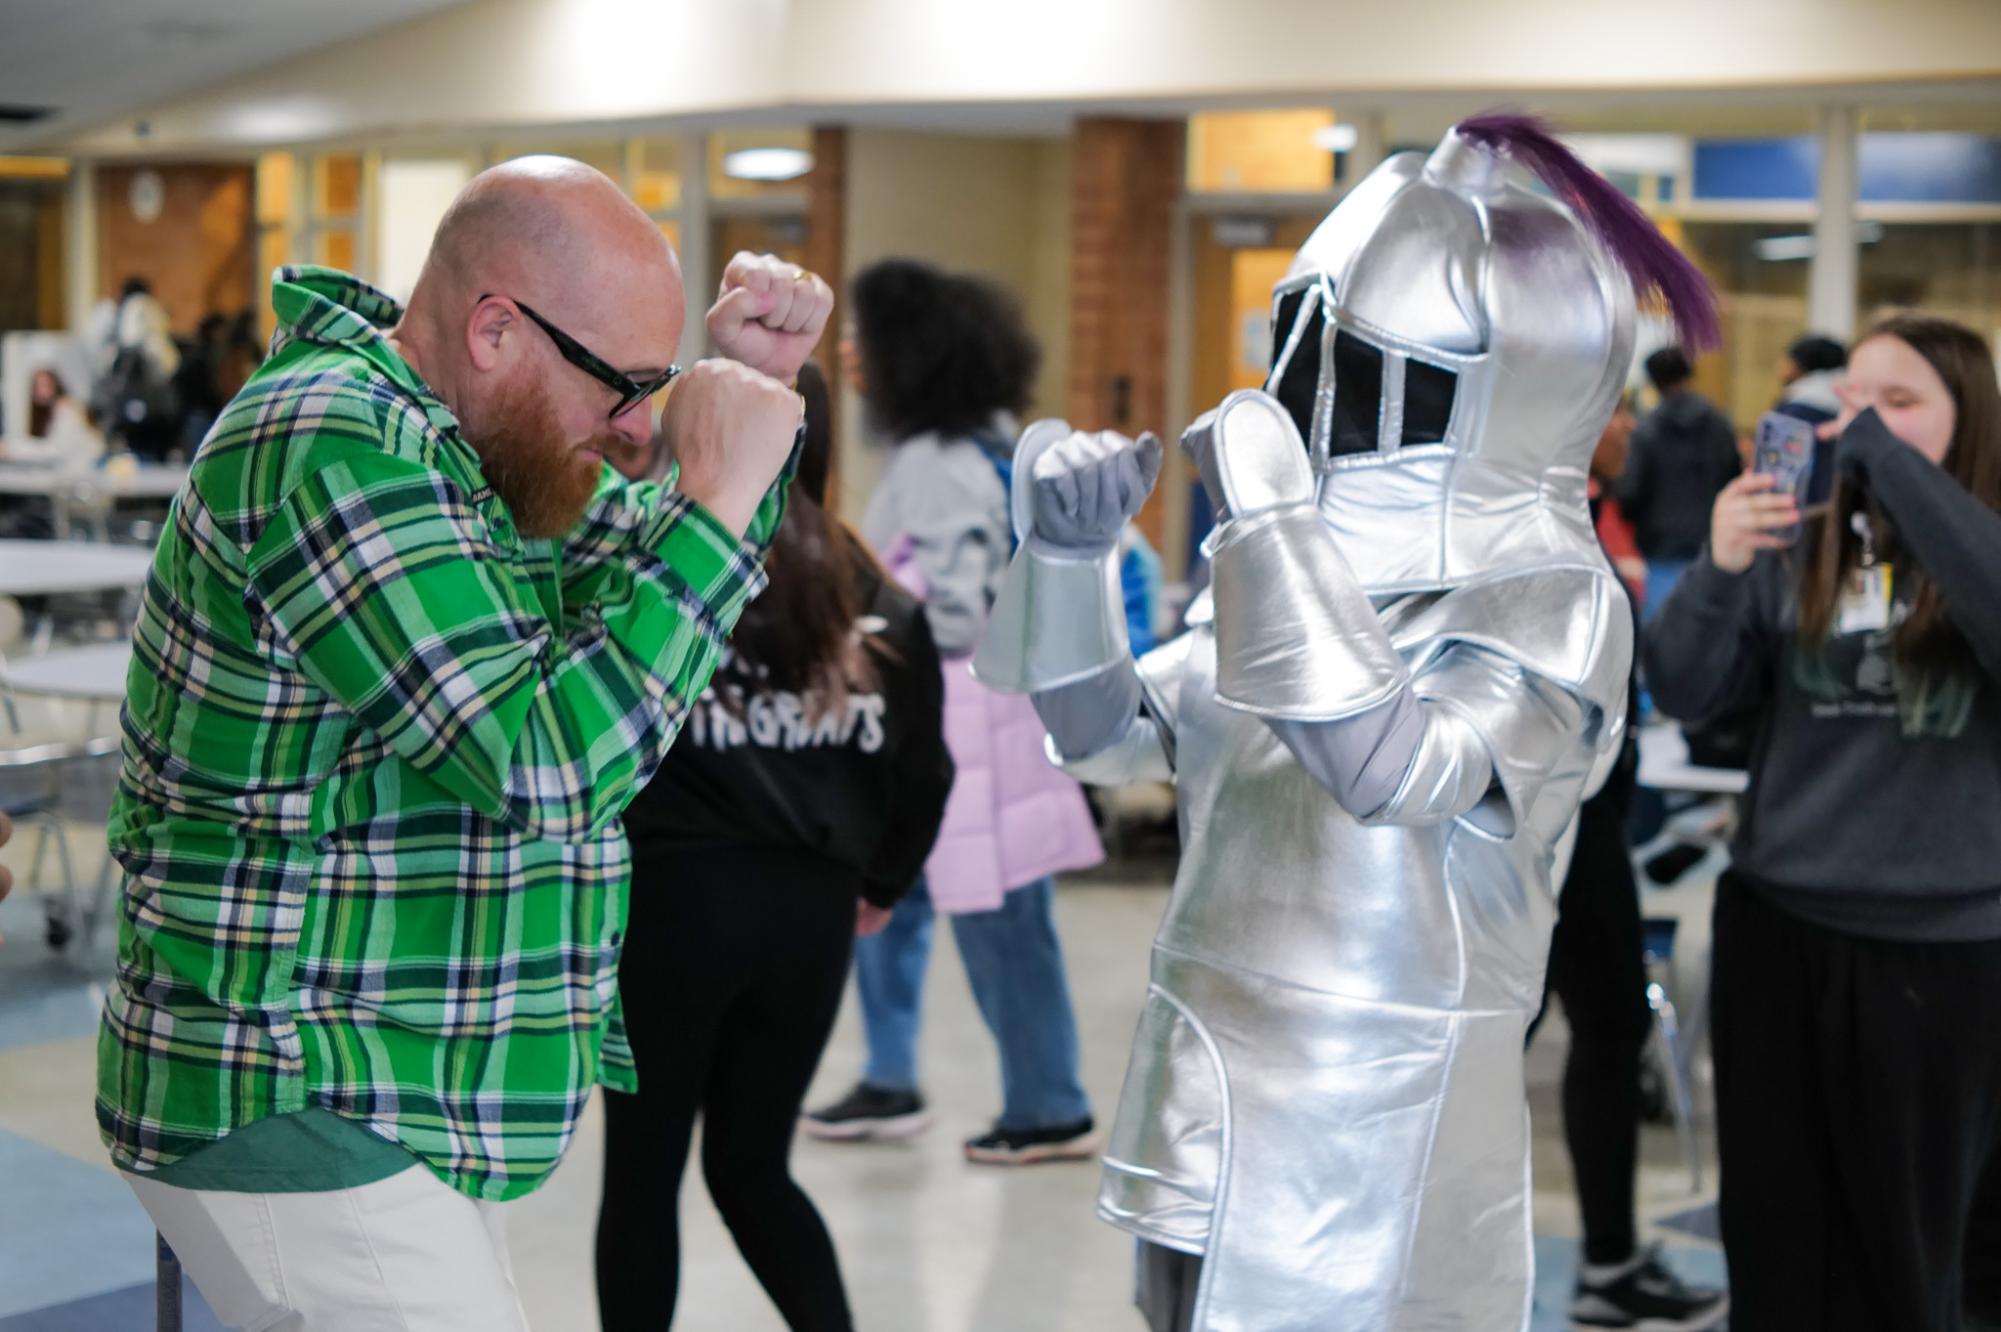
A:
(408, 648)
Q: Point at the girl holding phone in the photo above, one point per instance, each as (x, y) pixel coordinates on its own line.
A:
(1856, 987)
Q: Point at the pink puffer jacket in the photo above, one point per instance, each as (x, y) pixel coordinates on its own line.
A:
(1012, 817)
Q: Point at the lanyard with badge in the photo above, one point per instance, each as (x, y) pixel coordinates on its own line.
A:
(1866, 590)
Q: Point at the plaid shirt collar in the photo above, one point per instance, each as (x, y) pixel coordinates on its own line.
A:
(332, 308)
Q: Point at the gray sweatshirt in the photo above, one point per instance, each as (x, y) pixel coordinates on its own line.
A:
(1875, 805)
(945, 495)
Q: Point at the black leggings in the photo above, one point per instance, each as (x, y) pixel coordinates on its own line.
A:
(1858, 1112)
(734, 963)
(1597, 969)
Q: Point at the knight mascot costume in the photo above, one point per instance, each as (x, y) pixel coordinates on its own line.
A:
(1412, 669)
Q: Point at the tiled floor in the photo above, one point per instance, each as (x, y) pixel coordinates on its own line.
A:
(928, 1243)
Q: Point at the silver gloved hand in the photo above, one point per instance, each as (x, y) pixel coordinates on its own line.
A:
(1249, 456)
(1088, 485)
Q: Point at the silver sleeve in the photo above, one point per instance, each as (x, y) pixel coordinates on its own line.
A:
(1494, 733)
(1091, 714)
(1059, 620)
(1473, 736)
(1134, 739)
(1296, 637)
(1139, 754)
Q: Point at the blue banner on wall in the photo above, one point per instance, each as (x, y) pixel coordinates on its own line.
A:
(1894, 167)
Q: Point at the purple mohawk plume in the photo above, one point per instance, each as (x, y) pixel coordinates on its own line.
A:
(1657, 268)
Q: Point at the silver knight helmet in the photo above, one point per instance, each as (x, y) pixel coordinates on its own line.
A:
(1450, 344)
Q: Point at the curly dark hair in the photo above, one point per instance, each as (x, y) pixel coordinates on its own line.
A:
(940, 351)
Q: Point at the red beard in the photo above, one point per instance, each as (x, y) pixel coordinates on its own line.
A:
(545, 481)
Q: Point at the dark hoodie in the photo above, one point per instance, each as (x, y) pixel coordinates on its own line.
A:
(1873, 799)
(863, 789)
(1683, 453)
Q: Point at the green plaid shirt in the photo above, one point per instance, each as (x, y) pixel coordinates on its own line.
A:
(375, 749)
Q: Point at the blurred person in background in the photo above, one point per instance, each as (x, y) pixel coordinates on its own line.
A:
(242, 353)
(1682, 453)
(1142, 582)
(1615, 533)
(1597, 969)
(198, 383)
(942, 363)
(806, 787)
(1808, 375)
(407, 650)
(136, 360)
(1856, 989)
(59, 434)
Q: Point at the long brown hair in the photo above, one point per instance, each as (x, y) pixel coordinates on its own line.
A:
(800, 634)
(41, 415)
(1926, 643)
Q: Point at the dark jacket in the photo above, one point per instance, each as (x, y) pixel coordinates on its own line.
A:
(1873, 795)
(1683, 453)
(864, 787)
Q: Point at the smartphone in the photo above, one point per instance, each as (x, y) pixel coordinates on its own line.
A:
(1783, 448)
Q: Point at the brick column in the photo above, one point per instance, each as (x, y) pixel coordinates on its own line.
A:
(826, 254)
(1126, 176)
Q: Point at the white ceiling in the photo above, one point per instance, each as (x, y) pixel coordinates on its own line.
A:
(94, 60)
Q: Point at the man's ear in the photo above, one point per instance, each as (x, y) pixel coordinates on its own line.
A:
(488, 329)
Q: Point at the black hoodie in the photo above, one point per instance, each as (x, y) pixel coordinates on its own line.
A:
(1683, 453)
(864, 787)
(1874, 797)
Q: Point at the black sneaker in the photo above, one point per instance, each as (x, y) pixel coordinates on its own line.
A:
(868, 1112)
(1063, 1142)
(1647, 1297)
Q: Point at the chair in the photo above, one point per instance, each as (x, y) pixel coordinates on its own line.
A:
(31, 792)
(83, 499)
(166, 1286)
(1665, 1047)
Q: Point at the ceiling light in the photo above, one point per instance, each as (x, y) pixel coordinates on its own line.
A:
(1336, 138)
(1777, 249)
(1774, 249)
(767, 163)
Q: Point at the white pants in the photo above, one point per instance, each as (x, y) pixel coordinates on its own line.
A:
(405, 1254)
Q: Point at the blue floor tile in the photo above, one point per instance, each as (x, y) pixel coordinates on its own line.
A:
(68, 1231)
(50, 996)
(131, 1308)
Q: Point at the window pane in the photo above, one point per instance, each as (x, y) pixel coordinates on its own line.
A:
(656, 174)
(1244, 151)
(1950, 269)
(336, 249)
(275, 175)
(1763, 300)
(337, 185)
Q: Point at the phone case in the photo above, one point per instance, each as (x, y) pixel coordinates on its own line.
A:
(1783, 448)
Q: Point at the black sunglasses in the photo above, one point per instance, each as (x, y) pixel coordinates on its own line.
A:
(630, 391)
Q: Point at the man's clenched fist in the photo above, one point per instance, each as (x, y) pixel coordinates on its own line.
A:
(769, 314)
(730, 429)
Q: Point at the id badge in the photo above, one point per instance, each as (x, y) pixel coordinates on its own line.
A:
(1865, 601)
